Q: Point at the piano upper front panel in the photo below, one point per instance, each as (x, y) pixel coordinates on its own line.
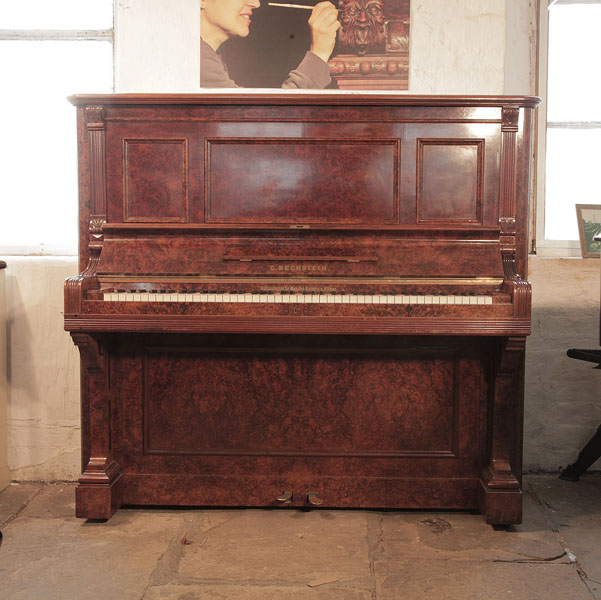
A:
(449, 181)
(253, 171)
(155, 180)
(313, 180)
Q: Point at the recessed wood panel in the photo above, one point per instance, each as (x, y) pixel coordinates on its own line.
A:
(314, 181)
(155, 180)
(286, 402)
(449, 181)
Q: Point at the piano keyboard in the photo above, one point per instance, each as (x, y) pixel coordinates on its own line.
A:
(292, 298)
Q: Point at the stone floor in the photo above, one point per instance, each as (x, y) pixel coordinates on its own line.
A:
(155, 554)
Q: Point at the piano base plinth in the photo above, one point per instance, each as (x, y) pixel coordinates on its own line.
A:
(98, 501)
(500, 506)
(265, 491)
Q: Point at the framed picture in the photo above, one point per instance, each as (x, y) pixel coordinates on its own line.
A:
(266, 49)
(589, 226)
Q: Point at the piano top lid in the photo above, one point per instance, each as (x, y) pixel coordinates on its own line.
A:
(302, 97)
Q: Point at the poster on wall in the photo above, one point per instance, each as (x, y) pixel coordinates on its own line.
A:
(355, 44)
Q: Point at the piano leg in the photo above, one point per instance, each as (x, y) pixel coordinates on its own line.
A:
(98, 494)
(500, 494)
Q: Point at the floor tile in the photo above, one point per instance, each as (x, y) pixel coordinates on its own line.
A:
(467, 580)
(291, 546)
(230, 592)
(461, 535)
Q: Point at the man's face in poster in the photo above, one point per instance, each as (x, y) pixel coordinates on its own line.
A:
(228, 18)
(362, 26)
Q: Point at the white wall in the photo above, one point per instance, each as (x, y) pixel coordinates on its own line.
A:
(43, 371)
(4, 469)
(157, 46)
(458, 46)
(563, 395)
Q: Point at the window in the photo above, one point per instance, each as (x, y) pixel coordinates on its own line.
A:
(570, 160)
(48, 51)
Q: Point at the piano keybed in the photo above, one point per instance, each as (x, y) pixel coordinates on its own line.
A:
(305, 292)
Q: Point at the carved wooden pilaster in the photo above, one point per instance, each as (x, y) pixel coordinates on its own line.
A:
(95, 125)
(501, 496)
(96, 239)
(98, 494)
(507, 216)
(520, 289)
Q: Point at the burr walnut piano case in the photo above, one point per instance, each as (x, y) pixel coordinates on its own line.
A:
(302, 300)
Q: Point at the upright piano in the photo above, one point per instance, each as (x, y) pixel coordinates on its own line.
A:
(302, 300)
